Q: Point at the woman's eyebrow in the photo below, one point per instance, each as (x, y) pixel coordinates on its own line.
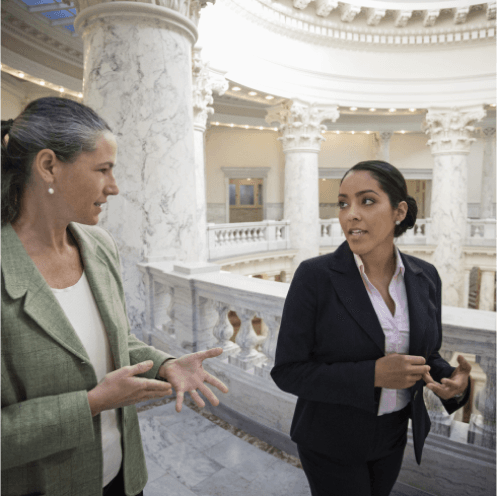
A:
(359, 193)
(110, 164)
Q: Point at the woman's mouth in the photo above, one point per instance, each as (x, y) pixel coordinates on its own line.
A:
(357, 232)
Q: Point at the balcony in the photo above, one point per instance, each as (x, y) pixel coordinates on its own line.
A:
(188, 310)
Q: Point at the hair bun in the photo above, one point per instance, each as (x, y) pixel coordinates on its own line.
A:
(412, 212)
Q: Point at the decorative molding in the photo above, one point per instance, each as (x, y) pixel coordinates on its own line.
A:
(409, 174)
(349, 12)
(461, 15)
(135, 11)
(301, 123)
(301, 4)
(451, 130)
(244, 172)
(375, 16)
(324, 7)
(430, 17)
(491, 8)
(402, 17)
(203, 85)
(488, 133)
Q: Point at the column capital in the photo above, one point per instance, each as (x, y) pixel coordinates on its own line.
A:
(301, 123)
(450, 130)
(204, 84)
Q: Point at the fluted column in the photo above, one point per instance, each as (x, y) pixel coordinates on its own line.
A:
(450, 137)
(203, 87)
(138, 77)
(487, 177)
(301, 127)
(382, 145)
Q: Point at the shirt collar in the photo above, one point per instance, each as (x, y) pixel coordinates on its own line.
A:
(399, 265)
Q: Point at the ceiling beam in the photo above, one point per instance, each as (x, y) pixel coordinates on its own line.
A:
(51, 7)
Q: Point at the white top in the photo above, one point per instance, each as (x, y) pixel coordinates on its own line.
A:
(395, 328)
(81, 309)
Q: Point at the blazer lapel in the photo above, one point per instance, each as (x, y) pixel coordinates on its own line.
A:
(417, 302)
(96, 264)
(350, 289)
(21, 277)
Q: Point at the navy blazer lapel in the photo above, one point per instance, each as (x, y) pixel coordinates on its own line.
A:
(21, 277)
(96, 265)
(350, 288)
(417, 301)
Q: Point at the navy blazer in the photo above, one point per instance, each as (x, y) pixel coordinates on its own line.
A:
(329, 341)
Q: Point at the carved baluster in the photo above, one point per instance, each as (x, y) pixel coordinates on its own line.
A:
(273, 323)
(223, 330)
(487, 397)
(247, 340)
(168, 327)
(441, 421)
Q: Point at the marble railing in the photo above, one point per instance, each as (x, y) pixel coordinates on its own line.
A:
(227, 240)
(480, 232)
(188, 307)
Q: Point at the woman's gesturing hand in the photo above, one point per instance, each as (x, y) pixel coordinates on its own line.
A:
(121, 388)
(187, 374)
(396, 371)
(454, 386)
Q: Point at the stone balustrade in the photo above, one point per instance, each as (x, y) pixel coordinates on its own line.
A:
(188, 311)
(227, 240)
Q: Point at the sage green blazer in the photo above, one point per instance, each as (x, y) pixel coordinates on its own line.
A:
(51, 445)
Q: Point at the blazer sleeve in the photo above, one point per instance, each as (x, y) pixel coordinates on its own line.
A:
(296, 371)
(440, 368)
(138, 350)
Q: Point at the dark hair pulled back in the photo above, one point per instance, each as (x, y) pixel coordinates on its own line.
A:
(392, 182)
(64, 126)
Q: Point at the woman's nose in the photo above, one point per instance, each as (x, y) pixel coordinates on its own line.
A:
(111, 188)
(352, 213)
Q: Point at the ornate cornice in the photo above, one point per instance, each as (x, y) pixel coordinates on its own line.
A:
(203, 87)
(451, 130)
(345, 26)
(301, 123)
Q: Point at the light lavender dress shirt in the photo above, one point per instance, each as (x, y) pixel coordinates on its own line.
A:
(395, 328)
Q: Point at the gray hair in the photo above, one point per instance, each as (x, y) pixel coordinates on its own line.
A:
(64, 126)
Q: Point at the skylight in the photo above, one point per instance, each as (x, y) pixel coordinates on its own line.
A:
(57, 13)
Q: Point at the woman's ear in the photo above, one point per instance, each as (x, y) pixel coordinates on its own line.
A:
(44, 165)
(402, 210)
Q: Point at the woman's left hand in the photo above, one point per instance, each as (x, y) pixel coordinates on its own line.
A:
(186, 373)
(455, 385)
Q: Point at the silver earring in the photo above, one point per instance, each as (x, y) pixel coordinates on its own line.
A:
(397, 222)
(51, 190)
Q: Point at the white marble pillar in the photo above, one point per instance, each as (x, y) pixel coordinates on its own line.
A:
(138, 77)
(301, 127)
(487, 177)
(204, 84)
(450, 138)
(382, 145)
(487, 290)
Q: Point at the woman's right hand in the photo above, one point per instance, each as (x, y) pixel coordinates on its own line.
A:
(121, 388)
(396, 371)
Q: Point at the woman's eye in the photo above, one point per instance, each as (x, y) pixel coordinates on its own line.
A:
(341, 204)
(368, 200)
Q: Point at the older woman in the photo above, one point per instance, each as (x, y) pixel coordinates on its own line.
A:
(71, 370)
(360, 336)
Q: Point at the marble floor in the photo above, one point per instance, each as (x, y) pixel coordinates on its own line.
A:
(190, 454)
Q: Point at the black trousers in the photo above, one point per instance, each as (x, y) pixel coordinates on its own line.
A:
(374, 477)
(116, 486)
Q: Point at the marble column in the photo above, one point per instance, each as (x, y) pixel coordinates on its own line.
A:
(301, 128)
(138, 77)
(382, 145)
(487, 290)
(487, 177)
(450, 137)
(204, 84)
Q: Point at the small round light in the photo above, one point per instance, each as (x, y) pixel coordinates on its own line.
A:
(248, 179)
(42, 83)
(368, 132)
(323, 179)
(232, 125)
(275, 129)
(61, 90)
(338, 132)
(372, 110)
(403, 132)
(236, 88)
(353, 132)
(252, 93)
(261, 128)
(80, 95)
(392, 110)
(269, 97)
(21, 74)
(492, 104)
(353, 109)
(412, 110)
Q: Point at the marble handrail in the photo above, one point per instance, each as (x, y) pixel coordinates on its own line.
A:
(188, 311)
(225, 240)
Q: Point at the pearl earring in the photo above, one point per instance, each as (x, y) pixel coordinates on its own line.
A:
(397, 222)
(51, 190)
